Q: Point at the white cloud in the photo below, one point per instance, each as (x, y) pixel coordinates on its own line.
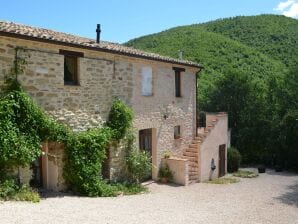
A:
(293, 11)
(288, 8)
(283, 5)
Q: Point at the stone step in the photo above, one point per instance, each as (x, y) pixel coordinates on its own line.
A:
(191, 154)
(201, 135)
(193, 177)
(191, 168)
(193, 145)
(193, 172)
(198, 138)
(191, 159)
(192, 181)
(196, 141)
(193, 164)
(191, 150)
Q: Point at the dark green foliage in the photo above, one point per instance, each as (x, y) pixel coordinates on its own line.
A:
(272, 35)
(287, 153)
(11, 190)
(246, 62)
(234, 160)
(85, 153)
(120, 118)
(138, 164)
(20, 129)
(165, 172)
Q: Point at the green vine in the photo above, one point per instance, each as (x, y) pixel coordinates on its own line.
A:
(25, 126)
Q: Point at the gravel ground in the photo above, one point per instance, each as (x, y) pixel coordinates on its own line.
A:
(270, 198)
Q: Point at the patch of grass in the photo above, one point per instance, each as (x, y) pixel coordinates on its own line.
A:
(245, 174)
(9, 190)
(130, 189)
(224, 180)
(26, 194)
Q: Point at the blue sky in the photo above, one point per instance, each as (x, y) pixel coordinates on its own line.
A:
(123, 20)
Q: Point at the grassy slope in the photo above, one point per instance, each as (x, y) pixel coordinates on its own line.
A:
(273, 35)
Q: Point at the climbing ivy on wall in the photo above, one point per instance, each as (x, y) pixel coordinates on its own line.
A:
(24, 126)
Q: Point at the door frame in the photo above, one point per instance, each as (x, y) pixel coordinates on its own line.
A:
(153, 150)
(221, 160)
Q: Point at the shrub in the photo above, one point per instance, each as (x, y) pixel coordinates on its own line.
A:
(85, 154)
(234, 159)
(120, 119)
(10, 190)
(138, 164)
(165, 172)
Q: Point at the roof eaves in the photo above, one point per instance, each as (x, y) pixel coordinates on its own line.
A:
(97, 48)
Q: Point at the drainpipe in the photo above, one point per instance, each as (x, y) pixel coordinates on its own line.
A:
(196, 111)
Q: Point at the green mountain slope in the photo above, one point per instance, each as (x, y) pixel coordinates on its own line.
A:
(274, 35)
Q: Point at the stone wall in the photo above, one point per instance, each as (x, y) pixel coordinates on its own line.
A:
(102, 76)
(210, 148)
(150, 110)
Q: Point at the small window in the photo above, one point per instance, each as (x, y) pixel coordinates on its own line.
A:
(177, 133)
(71, 67)
(178, 81)
(146, 81)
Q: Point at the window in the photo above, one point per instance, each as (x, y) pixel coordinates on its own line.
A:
(146, 81)
(178, 81)
(71, 67)
(177, 133)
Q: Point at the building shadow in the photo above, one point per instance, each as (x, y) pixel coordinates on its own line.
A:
(291, 196)
(44, 194)
(283, 173)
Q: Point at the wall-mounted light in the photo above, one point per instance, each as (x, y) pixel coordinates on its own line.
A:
(165, 111)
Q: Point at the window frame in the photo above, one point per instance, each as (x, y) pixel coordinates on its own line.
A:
(178, 135)
(73, 55)
(144, 68)
(178, 91)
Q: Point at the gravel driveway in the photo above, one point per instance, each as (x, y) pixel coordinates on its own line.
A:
(270, 198)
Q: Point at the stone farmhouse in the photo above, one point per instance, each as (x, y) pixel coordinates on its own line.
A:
(75, 79)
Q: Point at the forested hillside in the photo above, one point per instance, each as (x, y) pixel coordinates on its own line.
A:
(250, 71)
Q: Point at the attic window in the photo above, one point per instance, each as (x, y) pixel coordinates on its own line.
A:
(178, 80)
(71, 66)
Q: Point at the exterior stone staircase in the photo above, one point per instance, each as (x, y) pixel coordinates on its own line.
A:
(192, 152)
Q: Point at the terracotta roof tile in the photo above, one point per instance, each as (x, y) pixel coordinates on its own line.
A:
(64, 38)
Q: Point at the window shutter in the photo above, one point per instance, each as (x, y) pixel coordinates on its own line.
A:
(146, 81)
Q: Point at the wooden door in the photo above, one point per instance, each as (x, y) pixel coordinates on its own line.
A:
(145, 143)
(222, 160)
(37, 175)
(145, 140)
(105, 170)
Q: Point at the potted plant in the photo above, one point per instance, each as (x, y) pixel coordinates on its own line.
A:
(165, 175)
(262, 169)
(167, 154)
(278, 168)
